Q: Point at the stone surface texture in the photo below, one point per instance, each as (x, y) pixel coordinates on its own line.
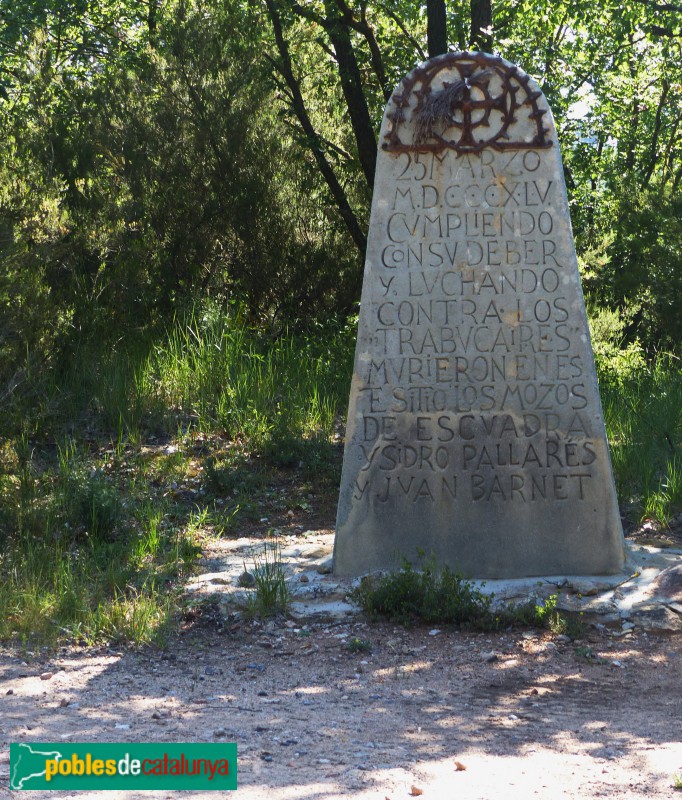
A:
(475, 432)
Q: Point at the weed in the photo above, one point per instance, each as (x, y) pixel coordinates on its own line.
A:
(641, 411)
(138, 618)
(677, 782)
(356, 645)
(541, 614)
(429, 595)
(584, 651)
(271, 595)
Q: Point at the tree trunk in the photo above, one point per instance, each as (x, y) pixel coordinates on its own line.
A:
(481, 25)
(436, 27)
(351, 83)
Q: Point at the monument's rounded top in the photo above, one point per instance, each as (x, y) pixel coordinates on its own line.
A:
(466, 101)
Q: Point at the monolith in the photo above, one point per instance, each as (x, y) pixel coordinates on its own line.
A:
(475, 432)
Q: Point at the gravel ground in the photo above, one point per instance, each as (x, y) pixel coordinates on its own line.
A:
(527, 714)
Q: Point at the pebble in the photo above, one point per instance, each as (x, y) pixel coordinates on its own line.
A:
(219, 733)
(246, 580)
(46, 676)
(434, 632)
(10, 691)
(489, 658)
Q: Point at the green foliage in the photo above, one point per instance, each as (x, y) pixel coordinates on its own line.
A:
(75, 565)
(618, 361)
(271, 595)
(433, 595)
(428, 594)
(357, 645)
(87, 498)
(634, 263)
(642, 416)
(541, 614)
(269, 391)
(677, 782)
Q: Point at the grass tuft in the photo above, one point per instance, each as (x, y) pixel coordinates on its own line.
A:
(271, 595)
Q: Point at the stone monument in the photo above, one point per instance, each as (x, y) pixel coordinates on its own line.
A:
(475, 431)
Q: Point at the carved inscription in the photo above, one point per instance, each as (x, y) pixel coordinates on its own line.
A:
(472, 339)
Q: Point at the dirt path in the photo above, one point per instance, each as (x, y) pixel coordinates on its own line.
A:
(527, 714)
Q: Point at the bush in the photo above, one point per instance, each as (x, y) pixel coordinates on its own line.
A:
(429, 595)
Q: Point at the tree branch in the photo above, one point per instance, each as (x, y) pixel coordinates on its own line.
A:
(406, 33)
(286, 70)
(653, 155)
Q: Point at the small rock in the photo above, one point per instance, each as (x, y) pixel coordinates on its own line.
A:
(246, 580)
(304, 579)
(122, 726)
(669, 583)
(657, 619)
(562, 637)
(489, 658)
(63, 703)
(219, 733)
(434, 632)
(10, 691)
(46, 676)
